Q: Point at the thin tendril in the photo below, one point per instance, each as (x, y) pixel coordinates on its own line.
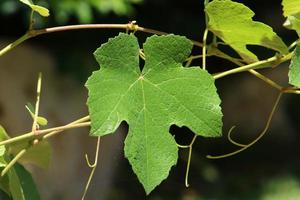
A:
(188, 167)
(190, 146)
(142, 55)
(93, 166)
(257, 139)
(231, 140)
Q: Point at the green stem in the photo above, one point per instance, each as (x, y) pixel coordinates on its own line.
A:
(293, 45)
(14, 44)
(31, 20)
(76, 124)
(267, 80)
(218, 53)
(204, 49)
(37, 104)
(255, 65)
(12, 162)
(59, 131)
(63, 128)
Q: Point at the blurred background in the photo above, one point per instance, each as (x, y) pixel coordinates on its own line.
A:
(267, 171)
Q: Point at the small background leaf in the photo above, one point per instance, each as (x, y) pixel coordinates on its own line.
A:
(294, 73)
(40, 120)
(39, 9)
(232, 22)
(40, 154)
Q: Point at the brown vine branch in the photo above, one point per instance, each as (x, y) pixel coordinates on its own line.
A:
(129, 26)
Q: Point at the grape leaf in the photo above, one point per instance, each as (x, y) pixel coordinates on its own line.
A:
(291, 10)
(39, 9)
(291, 7)
(294, 71)
(21, 184)
(232, 22)
(151, 100)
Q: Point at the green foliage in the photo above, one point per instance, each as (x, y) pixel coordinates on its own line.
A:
(286, 187)
(294, 72)
(156, 96)
(291, 10)
(21, 184)
(151, 100)
(63, 10)
(232, 22)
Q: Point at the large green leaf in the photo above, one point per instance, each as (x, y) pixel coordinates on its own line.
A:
(232, 22)
(151, 100)
(291, 10)
(294, 72)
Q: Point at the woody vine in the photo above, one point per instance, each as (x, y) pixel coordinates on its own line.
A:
(163, 93)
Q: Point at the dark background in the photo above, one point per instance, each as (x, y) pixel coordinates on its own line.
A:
(268, 170)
